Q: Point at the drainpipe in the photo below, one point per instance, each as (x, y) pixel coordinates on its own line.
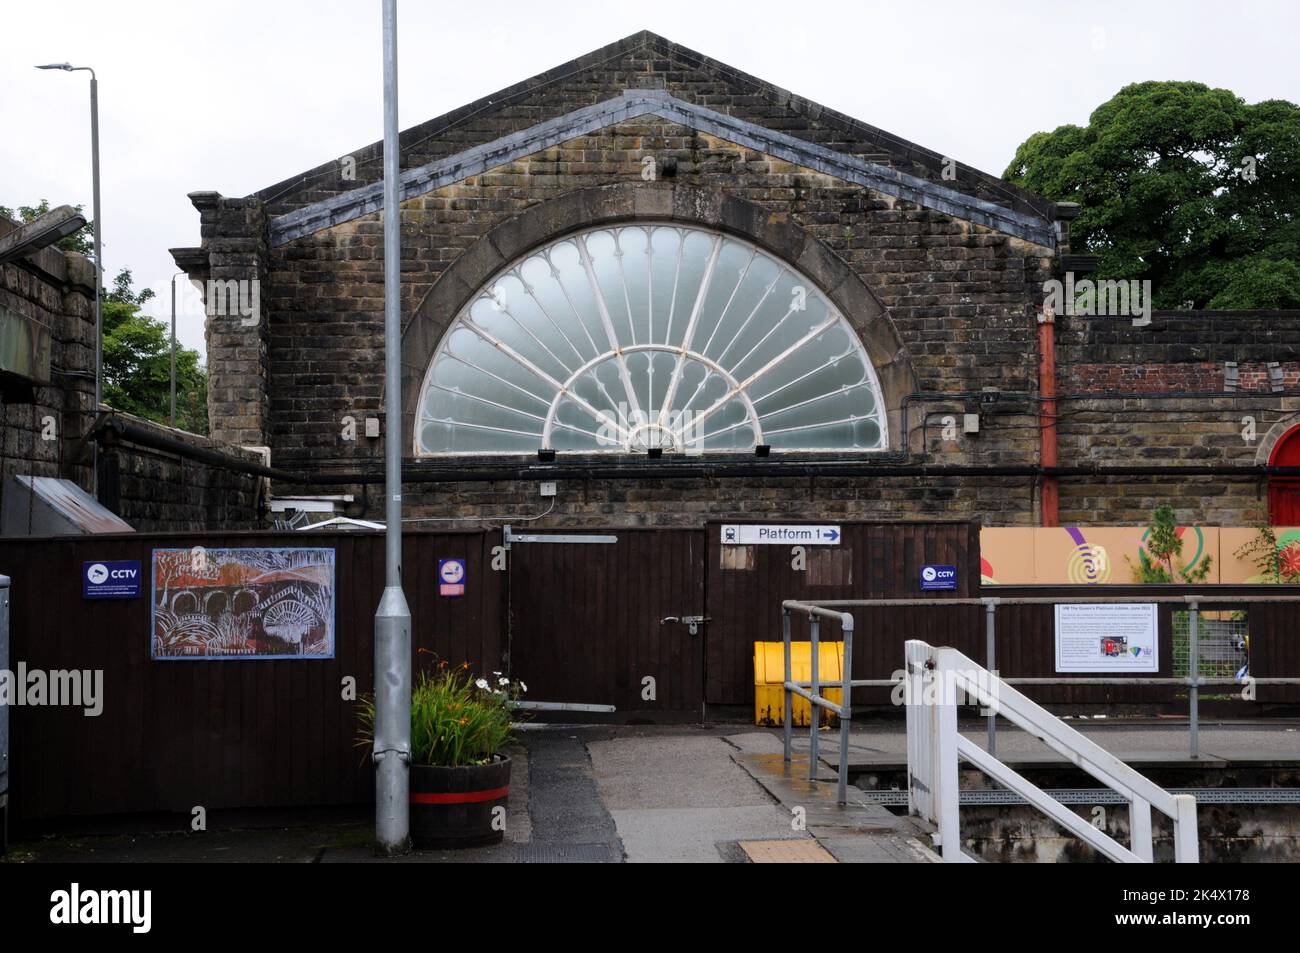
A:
(1050, 491)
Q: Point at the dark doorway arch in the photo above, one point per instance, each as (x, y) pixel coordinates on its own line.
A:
(1284, 492)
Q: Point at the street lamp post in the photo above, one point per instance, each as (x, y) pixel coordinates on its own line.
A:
(99, 264)
(392, 748)
(173, 390)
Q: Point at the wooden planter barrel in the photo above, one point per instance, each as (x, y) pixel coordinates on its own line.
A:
(453, 807)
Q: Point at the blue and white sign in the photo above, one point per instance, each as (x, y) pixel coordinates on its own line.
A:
(779, 534)
(938, 577)
(451, 577)
(111, 579)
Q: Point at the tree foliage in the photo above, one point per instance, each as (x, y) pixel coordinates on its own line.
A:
(1184, 185)
(137, 362)
(1161, 560)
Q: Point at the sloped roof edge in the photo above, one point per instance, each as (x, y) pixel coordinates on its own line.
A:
(631, 104)
(1021, 199)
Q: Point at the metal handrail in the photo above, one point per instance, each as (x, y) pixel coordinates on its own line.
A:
(934, 746)
(1193, 680)
(812, 693)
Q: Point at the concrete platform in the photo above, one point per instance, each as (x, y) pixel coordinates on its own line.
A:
(1260, 745)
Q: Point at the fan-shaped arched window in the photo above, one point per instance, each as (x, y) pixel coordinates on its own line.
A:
(637, 337)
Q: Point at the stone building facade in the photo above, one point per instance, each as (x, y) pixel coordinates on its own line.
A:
(48, 425)
(939, 269)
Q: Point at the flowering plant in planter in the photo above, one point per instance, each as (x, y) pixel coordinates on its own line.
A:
(460, 776)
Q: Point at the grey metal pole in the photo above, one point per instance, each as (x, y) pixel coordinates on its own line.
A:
(846, 712)
(99, 265)
(1194, 675)
(814, 712)
(392, 751)
(173, 388)
(99, 260)
(788, 711)
(990, 612)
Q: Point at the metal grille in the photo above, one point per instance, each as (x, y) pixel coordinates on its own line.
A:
(1220, 643)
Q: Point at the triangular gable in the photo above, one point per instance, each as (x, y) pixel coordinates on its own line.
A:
(642, 102)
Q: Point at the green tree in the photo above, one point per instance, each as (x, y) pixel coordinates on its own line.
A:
(79, 241)
(137, 362)
(1184, 185)
(1161, 560)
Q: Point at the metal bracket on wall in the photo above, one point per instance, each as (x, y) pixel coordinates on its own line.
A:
(512, 537)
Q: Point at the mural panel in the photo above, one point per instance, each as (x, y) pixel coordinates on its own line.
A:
(242, 603)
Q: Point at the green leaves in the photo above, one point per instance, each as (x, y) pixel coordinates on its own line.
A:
(456, 719)
(137, 363)
(1183, 185)
(1161, 559)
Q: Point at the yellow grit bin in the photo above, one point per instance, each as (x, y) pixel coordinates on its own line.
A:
(769, 677)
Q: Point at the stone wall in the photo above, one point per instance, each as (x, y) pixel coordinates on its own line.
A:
(43, 425)
(959, 299)
(162, 491)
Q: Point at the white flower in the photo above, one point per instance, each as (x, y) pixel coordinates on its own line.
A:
(481, 683)
(503, 680)
(523, 687)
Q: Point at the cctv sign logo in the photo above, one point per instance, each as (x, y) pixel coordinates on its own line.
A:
(938, 577)
(111, 579)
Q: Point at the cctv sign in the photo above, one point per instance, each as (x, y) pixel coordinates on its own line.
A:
(938, 578)
(111, 579)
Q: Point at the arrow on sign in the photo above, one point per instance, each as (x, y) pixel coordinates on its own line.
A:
(833, 535)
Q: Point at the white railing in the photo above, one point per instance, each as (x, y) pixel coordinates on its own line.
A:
(937, 679)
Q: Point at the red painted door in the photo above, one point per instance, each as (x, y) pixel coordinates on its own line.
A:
(1284, 493)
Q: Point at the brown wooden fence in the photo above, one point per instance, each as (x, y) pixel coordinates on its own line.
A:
(584, 622)
(178, 734)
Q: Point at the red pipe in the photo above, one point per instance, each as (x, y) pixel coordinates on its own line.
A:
(1050, 492)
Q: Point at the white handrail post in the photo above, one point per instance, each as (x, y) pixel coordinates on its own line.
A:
(1139, 829)
(947, 793)
(920, 778)
(1186, 848)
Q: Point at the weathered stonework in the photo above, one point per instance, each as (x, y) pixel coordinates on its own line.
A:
(45, 426)
(946, 309)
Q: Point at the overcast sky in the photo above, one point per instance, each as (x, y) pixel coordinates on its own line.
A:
(234, 96)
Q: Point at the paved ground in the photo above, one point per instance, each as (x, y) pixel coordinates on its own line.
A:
(681, 797)
(643, 794)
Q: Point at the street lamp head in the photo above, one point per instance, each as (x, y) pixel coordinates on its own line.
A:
(62, 66)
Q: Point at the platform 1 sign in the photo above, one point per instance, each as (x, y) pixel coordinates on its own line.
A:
(451, 577)
(1107, 637)
(779, 534)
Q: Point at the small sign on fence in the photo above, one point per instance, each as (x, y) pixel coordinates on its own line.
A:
(1107, 637)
